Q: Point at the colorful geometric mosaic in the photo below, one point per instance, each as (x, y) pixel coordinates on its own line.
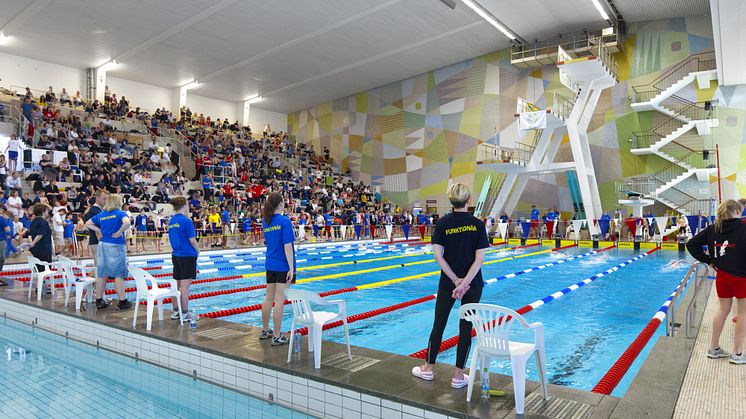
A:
(412, 136)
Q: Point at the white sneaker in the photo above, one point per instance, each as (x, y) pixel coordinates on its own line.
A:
(738, 359)
(175, 315)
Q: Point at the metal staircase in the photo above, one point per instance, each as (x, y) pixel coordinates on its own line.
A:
(675, 139)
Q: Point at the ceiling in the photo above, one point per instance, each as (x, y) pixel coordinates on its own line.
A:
(295, 53)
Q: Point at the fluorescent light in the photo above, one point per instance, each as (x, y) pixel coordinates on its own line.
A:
(109, 65)
(193, 85)
(4, 39)
(488, 17)
(600, 9)
(254, 99)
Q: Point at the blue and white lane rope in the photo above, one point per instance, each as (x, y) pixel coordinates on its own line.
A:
(571, 288)
(536, 268)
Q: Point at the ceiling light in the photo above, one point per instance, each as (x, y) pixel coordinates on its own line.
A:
(478, 9)
(4, 39)
(600, 9)
(108, 66)
(254, 99)
(193, 85)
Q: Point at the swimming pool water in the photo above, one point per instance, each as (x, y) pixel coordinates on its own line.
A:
(585, 331)
(48, 376)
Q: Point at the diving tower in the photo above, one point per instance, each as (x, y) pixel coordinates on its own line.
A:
(586, 76)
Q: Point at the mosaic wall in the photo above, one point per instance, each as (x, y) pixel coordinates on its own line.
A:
(411, 137)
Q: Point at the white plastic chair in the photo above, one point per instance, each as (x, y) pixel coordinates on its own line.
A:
(315, 320)
(81, 283)
(40, 276)
(142, 277)
(493, 324)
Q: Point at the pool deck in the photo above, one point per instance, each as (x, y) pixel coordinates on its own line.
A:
(712, 388)
(384, 389)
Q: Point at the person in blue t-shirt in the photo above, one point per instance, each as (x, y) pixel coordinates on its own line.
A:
(109, 226)
(534, 229)
(279, 264)
(207, 187)
(141, 231)
(68, 231)
(246, 229)
(225, 221)
(183, 238)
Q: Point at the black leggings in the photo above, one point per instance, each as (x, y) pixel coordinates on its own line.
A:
(443, 305)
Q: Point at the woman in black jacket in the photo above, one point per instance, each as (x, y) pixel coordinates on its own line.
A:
(726, 252)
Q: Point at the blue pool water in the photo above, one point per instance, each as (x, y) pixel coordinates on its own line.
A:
(47, 376)
(585, 331)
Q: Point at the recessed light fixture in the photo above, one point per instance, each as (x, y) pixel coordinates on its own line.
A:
(193, 85)
(108, 66)
(260, 78)
(600, 9)
(484, 14)
(254, 99)
(4, 39)
(98, 32)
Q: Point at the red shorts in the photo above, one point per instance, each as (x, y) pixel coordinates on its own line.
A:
(730, 286)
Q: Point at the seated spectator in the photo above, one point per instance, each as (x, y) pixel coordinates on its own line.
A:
(14, 182)
(47, 167)
(65, 98)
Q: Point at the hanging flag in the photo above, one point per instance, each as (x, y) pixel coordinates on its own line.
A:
(532, 120)
(503, 229)
(389, 229)
(405, 229)
(576, 226)
(526, 226)
(631, 225)
(661, 223)
(604, 226)
(343, 230)
(550, 227)
(693, 221)
(301, 231)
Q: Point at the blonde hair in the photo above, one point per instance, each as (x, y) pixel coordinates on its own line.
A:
(725, 210)
(459, 195)
(113, 202)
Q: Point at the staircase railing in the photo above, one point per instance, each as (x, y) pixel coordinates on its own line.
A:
(697, 62)
(648, 184)
(686, 202)
(562, 107)
(694, 111)
(696, 159)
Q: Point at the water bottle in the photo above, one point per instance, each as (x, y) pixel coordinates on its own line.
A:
(297, 342)
(193, 320)
(485, 383)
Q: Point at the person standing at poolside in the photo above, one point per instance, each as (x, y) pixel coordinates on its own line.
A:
(41, 234)
(96, 208)
(279, 264)
(109, 226)
(183, 239)
(459, 243)
(726, 244)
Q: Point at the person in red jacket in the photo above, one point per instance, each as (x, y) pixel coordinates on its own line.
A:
(725, 241)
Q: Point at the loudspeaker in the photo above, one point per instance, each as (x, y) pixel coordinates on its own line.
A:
(708, 105)
(705, 154)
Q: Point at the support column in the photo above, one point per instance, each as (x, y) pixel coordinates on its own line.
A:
(100, 84)
(244, 109)
(178, 99)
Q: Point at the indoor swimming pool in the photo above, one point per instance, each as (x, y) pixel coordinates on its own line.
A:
(587, 327)
(49, 376)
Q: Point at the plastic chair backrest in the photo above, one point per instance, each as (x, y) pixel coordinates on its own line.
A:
(68, 272)
(492, 324)
(142, 277)
(32, 262)
(301, 301)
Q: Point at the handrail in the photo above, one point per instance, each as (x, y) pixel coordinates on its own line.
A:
(696, 62)
(692, 306)
(578, 42)
(690, 112)
(562, 106)
(698, 278)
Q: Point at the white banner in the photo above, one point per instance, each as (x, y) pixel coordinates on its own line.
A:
(532, 120)
(503, 229)
(389, 229)
(343, 230)
(301, 231)
(576, 226)
(661, 221)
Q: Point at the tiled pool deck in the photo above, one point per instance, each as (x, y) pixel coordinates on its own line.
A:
(231, 355)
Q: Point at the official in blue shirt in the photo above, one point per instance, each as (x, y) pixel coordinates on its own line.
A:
(279, 264)
(141, 231)
(111, 261)
(183, 238)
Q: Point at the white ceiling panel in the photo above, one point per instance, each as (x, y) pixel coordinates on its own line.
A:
(296, 53)
(642, 10)
(730, 40)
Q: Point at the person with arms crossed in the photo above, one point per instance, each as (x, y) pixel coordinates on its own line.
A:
(183, 239)
(279, 264)
(109, 226)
